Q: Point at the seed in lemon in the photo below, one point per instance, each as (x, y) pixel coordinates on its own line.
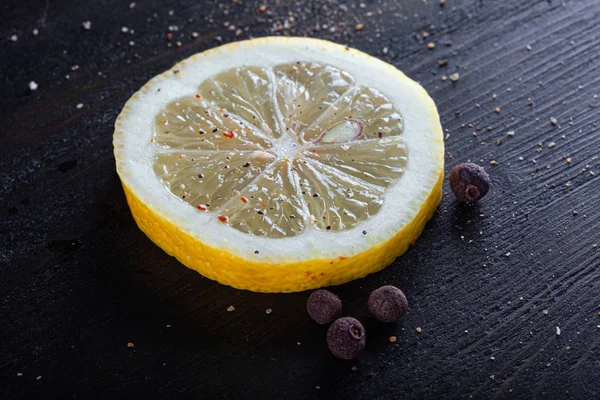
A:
(281, 164)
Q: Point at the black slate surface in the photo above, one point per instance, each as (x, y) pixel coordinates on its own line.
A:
(488, 285)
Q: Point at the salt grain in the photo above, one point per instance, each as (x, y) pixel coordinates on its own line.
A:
(33, 86)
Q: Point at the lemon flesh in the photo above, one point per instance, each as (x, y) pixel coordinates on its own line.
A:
(274, 151)
(312, 165)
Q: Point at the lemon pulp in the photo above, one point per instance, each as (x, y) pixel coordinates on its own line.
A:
(275, 151)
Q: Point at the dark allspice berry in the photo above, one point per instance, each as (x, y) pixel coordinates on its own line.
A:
(469, 182)
(388, 304)
(346, 338)
(323, 306)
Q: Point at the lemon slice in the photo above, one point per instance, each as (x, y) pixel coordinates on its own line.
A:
(281, 164)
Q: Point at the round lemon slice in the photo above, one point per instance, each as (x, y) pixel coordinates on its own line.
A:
(281, 164)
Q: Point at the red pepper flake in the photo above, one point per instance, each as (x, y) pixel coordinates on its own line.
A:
(244, 200)
(198, 96)
(169, 36)
(180, 156)
(262, 8)
(228, 134)
(151, 140)
(222, 218)
(201, 207)
(264, 205)
(176, 71)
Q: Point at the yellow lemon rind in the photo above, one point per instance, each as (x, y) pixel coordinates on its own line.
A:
(256, 276)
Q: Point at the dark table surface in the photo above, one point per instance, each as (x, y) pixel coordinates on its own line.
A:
(488, 285)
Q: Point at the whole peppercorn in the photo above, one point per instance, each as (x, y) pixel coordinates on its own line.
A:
(469, 182)
(323, 306)
(388, 303)
(346, 338)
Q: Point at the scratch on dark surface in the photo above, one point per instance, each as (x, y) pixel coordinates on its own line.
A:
(45, 14)
(78, 172)
(57, 124)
